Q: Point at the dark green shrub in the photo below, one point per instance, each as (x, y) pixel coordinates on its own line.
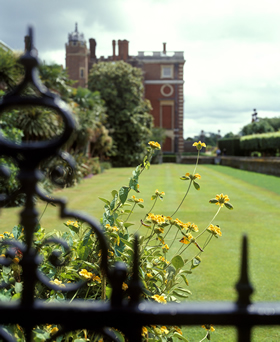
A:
(231, 146)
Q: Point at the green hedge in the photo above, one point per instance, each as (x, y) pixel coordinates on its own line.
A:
(266, 142)
(231, 145)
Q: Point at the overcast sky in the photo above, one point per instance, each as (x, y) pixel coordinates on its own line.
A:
(231, 48)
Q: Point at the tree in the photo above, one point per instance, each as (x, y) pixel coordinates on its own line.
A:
(128, 118)
(261, 126)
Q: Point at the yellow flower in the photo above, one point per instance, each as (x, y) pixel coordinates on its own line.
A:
(215, 230)
(221, 199)
(57, 282)
(149, 275)
(144, 331)
(154, 145)
(165, 248)
(84, 273)
(96, 278)
(3, 256)
(72, 223)
(208, 327)
(164, 330)
(186, 239)
(159, 299)
(1, 236)
(196, 175)
(178, 330)
(124, 286)
(199, 145)
(137, 200)
(54, 330)
(16, 260)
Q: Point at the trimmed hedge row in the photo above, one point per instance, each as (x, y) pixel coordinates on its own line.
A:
(231, 146)
(266, 142)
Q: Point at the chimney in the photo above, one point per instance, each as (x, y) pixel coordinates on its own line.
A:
(92, 47)
(114, 49)
(120, 49)
(125, 49)
(164, 48)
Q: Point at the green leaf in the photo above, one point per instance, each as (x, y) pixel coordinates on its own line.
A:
(180, 337)
(114, 193)
(18, 287)
(86, 237)
(185, 279)
(180, 294)
(104, 200)
(16, 296)
(140, 205)
(196, 185)
(108, 292)
(73, 228)
(153, 197)
(113, 203)
(177, 261)
(118, 335)
(17, 230)
(195, 263)
(229, 206)
(130, 244)
(184, 178)
(123, 193)
(213, 200)
(127, 224)
(6, 270)
(79, 340)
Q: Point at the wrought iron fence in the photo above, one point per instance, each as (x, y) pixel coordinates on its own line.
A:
(98, 315)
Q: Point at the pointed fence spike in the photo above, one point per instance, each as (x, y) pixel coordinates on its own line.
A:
(243, 286)
(135, 284)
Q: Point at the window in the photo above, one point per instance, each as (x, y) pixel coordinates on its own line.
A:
(167, 71)
(82, 72)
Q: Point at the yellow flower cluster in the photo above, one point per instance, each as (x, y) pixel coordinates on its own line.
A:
(110, 228)
(72, 223)
(221, 199)
(199, 145)
(6, 234)
(215, 230)
(124, 286)
(179, 331)
(149, 275)
(193, 177)
(186, 239)
(165, 248)
(88, 275)
(159, 299)
(144, 331)
(158, 193)
(57, 282)
(157, 219)
(208, 327)
(161, 258)
(137, 200)
(154, 145)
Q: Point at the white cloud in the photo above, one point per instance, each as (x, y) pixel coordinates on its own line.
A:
(231, 47)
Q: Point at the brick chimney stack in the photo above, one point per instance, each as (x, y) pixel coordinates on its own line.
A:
(114, 50)
(164, 48)
(92, 47)
(123, 49)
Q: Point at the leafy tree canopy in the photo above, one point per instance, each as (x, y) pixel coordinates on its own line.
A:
(128, 118)
(261, 126)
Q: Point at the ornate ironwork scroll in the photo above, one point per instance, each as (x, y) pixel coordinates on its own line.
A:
(97, 315)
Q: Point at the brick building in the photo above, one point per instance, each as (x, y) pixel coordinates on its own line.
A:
(163, 79)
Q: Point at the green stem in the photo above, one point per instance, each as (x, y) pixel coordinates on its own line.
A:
(209, 223)
(43, 212)
(130, 212)
(182, 199)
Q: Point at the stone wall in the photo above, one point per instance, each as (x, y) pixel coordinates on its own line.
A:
(268, 165)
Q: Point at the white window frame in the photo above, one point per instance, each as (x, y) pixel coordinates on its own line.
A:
(164, 68)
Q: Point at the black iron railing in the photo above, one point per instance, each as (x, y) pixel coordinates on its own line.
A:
(99, 315)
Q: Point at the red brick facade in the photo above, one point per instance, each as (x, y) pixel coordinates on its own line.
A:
(162, 76)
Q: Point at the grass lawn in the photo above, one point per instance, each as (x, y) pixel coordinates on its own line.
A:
(256, 201)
